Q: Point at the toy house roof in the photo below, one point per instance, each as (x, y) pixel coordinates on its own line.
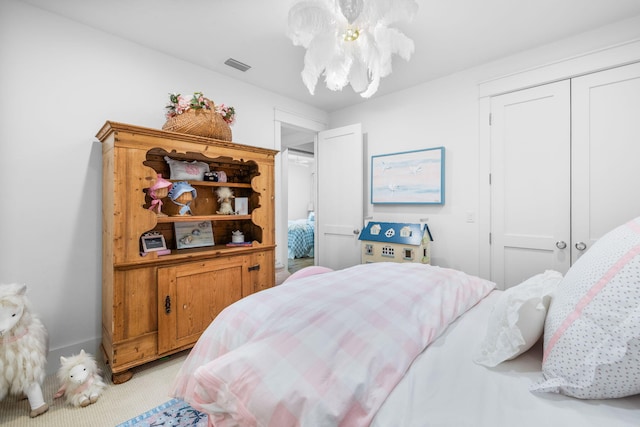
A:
(395, 232)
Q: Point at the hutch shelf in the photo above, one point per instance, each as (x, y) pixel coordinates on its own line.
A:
(155, 305)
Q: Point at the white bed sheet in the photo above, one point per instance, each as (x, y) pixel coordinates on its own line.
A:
(445, 388)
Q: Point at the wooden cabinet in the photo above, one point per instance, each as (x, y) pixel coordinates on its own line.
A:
(154, 305)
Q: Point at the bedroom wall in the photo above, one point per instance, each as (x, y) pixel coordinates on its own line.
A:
(60, 81)
(445, 112)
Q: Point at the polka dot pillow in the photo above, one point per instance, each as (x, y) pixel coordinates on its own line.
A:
(592, 330)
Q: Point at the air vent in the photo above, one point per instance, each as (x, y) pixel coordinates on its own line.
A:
(237, 64)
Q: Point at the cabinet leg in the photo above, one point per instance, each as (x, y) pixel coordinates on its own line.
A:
(121, 377)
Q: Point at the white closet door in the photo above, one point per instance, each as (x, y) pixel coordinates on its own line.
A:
(530, 183)
(606, 152)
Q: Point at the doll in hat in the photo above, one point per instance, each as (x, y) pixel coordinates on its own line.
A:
(182, 194)
(157, 192)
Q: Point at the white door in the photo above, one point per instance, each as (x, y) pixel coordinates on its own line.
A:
(340, 207)
(530, 183)
(606, 153)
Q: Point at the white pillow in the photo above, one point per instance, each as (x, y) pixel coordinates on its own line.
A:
(592, 332)
(517, 320)
(183, 170)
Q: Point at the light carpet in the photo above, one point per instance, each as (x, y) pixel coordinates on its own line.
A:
(148, 388)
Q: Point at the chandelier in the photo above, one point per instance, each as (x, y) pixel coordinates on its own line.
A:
(349, 41)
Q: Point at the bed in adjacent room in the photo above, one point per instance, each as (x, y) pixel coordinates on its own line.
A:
(300, 237)
(388, 344)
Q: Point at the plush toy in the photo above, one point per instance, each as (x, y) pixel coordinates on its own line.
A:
(224, 198)
(23, 348)
(80, 379)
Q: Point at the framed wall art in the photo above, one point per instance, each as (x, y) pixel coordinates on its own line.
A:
(408, 177)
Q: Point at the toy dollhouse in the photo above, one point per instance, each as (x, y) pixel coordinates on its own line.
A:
(396, 242)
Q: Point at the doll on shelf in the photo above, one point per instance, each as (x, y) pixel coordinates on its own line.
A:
(157, 192)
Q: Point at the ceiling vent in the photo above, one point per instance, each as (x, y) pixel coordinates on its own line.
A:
(237, 64)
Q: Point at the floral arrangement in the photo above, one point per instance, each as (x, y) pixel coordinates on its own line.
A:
(178, 104)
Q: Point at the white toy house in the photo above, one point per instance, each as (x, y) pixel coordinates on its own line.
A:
(396, 242)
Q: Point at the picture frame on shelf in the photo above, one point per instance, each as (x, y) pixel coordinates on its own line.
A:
(153, 242)
(193, 234)
(410, 177)
(242, 205)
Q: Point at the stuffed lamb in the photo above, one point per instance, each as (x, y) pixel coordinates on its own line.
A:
(23, 348)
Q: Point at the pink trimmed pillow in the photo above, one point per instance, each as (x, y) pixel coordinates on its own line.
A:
(592, 331)
(308, 271)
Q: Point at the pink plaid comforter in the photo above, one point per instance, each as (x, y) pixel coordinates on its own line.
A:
(324, 350)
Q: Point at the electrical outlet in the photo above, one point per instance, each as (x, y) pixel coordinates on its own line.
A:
(471, 216)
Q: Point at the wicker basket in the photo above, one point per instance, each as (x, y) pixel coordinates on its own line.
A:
(199, 122)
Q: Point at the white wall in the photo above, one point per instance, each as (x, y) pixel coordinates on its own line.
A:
(445, 112)
(300, 181)
(59, 82)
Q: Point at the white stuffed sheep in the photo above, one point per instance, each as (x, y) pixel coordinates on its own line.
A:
(80, 379)
(23, 348)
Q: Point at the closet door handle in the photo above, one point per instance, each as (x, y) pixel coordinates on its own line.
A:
(561, 244)
(581, 246)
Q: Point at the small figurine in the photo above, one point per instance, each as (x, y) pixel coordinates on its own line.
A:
(23, 348)
(157, 192)
(224, 198)
(80, 380)
(182, 194)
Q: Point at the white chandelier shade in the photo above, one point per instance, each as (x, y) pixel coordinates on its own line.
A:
(349, 41)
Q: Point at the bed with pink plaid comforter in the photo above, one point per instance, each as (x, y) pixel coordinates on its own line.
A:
(323, 350)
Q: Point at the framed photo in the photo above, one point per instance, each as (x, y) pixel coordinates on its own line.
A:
(152, 242)
(193, 234)
(408, 177)
(242, 205)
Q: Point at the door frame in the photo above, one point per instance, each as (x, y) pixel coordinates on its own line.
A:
(286, 118)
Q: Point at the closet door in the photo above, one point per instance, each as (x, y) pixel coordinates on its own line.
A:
(530, 183)
(606, 153)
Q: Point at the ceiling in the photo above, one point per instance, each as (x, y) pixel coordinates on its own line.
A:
(449, 35)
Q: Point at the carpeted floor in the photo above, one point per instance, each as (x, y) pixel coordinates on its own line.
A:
(299, 263)
(148, 388)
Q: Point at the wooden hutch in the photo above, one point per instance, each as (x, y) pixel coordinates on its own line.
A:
(155, 305)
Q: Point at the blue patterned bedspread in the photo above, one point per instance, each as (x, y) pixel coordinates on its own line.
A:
(300, 239)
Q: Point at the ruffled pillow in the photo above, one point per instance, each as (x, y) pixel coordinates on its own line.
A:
(517, 320)
(183, 170)
(592, 332)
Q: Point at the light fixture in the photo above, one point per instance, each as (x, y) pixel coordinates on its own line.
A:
(349, 41)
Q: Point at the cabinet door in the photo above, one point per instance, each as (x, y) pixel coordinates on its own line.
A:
(191, 295)
(259, 272)
(606, 153)
(530, 183)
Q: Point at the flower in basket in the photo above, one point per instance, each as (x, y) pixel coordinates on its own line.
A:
(227, 113)
(178, 104)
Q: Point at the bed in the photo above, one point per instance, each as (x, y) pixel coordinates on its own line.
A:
(389, 344)
(300, 238)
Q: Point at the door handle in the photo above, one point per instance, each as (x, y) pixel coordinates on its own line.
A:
(356, 231)
(561, 244)
(581, 246)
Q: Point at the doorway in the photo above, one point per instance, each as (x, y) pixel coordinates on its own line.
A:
(300, 181)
